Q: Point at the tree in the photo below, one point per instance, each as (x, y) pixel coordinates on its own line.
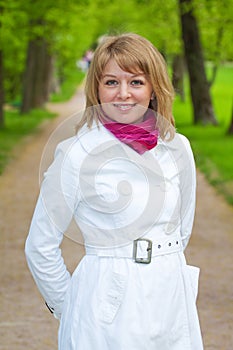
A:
(178, 70)
(199, 86)
(12, 20)
(38, 67)
(57, 32)
(215, 23)
(38, 70)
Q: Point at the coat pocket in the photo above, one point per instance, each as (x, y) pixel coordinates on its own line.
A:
(193, 273)
(113, 297)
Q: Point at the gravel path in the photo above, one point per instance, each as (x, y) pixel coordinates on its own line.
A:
(25, 322)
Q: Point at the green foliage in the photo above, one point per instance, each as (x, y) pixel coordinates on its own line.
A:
(71, 27)
(160, 24)
(145, 17)
(64, 25)
(13, 20)
(17, 126)
(215, 22)
(212, 147)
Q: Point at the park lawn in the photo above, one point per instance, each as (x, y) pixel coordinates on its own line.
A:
(18, 126)
(213, 148)
(67, 89)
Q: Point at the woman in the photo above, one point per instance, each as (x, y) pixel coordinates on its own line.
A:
(128, 179)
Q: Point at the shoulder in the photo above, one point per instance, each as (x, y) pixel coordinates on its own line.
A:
(65, 145)
(180, 150)
(185, 149)
(95, 139)
(183, 139)
(76, 140)
(179, 141)
(85, 142)
(185, 144)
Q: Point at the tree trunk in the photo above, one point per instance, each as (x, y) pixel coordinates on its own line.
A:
(201, 99)
(54, 86)
(217, 54)
(1, 91)
(37, 75)
(178, 69)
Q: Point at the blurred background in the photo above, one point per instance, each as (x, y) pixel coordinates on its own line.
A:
(46, 47)
(45, 51)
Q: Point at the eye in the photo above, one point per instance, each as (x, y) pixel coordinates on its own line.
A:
(137, 82)
(110, 82)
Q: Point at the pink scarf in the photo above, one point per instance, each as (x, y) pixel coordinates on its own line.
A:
(141, 137)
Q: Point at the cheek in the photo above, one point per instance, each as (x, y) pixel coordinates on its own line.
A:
(143, 97)
(147, 96)
(105, 95)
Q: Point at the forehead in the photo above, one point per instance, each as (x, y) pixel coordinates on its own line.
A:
(113, 68)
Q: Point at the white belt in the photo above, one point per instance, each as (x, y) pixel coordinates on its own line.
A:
(140, 250)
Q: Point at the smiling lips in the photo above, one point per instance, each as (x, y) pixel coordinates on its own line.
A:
(124, 106)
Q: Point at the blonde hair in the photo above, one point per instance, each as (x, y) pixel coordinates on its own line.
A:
(132, 53)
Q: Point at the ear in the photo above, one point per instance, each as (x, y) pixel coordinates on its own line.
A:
(152, 96)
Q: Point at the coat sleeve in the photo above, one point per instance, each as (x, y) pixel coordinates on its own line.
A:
(188, 191)
(54, 210)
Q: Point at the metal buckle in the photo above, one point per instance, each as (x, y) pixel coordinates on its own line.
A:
(146, 260)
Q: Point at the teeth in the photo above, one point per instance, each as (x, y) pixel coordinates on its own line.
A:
(124, 107)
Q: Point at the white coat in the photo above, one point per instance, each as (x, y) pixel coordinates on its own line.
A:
(112, 302)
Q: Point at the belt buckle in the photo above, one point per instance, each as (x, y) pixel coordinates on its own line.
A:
(146, 260)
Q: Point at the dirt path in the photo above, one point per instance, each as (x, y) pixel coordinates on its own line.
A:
(25, 322)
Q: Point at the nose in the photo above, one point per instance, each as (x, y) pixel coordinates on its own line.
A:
(124, 91)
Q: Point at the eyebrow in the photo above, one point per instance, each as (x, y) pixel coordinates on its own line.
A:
(115, 76)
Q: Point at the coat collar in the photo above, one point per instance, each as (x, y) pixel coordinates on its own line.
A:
(96, 138)
(98, 141)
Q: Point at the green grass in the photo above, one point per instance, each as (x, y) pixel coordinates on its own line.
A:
(69, 86)
(213, 149)
(16, 127)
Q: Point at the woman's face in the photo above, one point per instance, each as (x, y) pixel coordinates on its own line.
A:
(124, 96)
